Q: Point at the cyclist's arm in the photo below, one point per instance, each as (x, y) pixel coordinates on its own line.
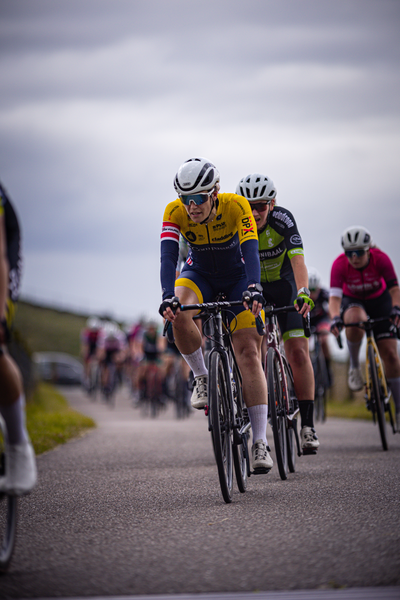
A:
(251, 257)
(334, 306)
(169, 257)
(395, 294)
(299, 271)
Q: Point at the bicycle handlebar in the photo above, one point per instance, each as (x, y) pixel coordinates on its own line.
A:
(215, 306)
(366, 325)
(272, 310)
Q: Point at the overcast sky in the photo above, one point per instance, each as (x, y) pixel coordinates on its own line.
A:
(102, 100)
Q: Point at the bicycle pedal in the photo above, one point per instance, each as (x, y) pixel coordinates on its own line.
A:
(309, 451)
(260, 471)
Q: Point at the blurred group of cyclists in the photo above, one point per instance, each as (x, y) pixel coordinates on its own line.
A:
(137, 355)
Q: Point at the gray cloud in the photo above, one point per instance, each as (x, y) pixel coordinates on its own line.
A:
(102, 100)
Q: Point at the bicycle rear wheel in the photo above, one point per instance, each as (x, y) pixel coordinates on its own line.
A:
(321, 386)
(8, 512)
(277, 411)
(379, 403)
(221, 425)
(239, 442)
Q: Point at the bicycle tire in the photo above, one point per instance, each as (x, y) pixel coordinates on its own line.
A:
(239, 451)
(321, 384)
(221, 425)
(8, 513)
(292, 423)
(378, 404)
(277, 411)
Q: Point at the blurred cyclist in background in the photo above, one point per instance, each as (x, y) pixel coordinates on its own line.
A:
(89, 339)
(21, 473)
(364, 283)
(319, 316)
(111, 353)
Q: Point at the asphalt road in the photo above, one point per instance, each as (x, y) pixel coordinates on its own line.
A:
(134, 508)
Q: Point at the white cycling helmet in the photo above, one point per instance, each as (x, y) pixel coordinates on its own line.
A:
(93, 323)
(196, 176)
(256, 187)
(314, 279)
(355, 238)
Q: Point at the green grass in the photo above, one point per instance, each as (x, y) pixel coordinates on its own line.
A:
(46, 329)
(348, 409)
(51, 421)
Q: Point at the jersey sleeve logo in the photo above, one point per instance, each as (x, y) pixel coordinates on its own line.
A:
(170, 231)
(247, 226)
(295, 239)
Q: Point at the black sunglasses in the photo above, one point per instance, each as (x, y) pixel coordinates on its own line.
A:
(360, 252)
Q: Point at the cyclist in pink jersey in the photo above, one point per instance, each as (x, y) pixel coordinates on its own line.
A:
(364, 282)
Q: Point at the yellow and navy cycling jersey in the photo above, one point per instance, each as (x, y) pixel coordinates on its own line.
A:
(225, 246)
(13, 250)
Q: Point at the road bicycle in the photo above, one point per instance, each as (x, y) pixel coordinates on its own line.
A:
(8, 509)
(377, 393)
(152, 384)
(321, 379)
(228, 420)
(282, 402)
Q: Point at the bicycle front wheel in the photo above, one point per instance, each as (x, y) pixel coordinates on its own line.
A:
(221, 424)
(291, 420)
(379, 403)
(277, 411)
(8, 513)
(240, 450)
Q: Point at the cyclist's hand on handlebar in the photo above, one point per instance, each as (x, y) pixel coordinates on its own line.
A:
(253, 299)
(337, 325)
(169, 308)
(395, 315)
(304, 304)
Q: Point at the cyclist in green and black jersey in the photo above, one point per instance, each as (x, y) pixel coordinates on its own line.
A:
(284, 279)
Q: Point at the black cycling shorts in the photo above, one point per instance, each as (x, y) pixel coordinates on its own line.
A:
(375, 308)
(283, 293)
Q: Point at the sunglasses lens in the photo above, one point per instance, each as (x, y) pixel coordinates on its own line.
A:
(259, 207)
(196, 198)
(349, 253)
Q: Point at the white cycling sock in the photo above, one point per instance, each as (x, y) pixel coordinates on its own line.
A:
(354, 352)
(259, 419)
(394, 384)
(14, 417)
(196, 362)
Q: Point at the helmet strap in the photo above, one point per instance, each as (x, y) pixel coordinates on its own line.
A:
(209, 214)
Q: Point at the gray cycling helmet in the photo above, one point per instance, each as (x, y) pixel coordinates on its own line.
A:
(314, 279)
(256, 187)
(196, 176)
(356, 237)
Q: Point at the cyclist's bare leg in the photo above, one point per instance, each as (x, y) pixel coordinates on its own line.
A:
(187, 335)
(247, 346)
(10, 379)
(296, 350)
(21, 476)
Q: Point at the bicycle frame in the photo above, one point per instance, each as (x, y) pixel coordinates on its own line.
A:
(371, 342)
(273, 340)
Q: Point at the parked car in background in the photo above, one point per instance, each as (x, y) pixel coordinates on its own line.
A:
(58, 367)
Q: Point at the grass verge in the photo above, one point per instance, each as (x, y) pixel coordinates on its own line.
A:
(51, 421)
